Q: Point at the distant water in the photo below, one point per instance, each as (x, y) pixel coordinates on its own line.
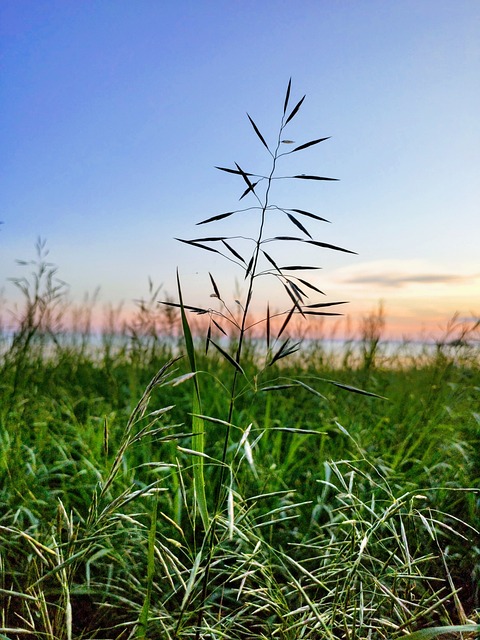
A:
(336, 349)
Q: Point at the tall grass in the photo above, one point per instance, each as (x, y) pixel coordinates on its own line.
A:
(234, 493)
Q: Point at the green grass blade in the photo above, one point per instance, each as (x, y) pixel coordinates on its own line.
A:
(198, 437)
(435, 632)
(143, 619)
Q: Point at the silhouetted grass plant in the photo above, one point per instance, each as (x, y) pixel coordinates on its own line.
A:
(250, 255)
(251, 492)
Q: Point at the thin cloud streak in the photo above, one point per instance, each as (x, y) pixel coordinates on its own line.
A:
(397, 280)
(403, 274)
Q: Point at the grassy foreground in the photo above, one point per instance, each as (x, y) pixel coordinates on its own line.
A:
(345, 516)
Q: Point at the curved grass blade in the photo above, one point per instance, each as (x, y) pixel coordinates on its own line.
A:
(214, 285)
(258, 132)
(268, 326)
(302, 212)
(289, 238)
(316, 243)
(287, 97)
(295, 110)
(248, 189)
(301, 294)
(299, 225)
(216, 421)
(249, 266)
(206, 239)
(198, 438)
(309, 144)
(310, 389)
(191, 580)
(436, 632)
(325, 245)
(272, 261)
(185, 306)
(319, 305)
(228, 357)
(219, 327)
(220, 216)
(349, 388)
(320, 313)
(286, 321)
(244, 175)
(207, 341)
(311, 286)
(308, 432)
(293, 298)
(304, 176)
(285, 350)
(278, 387)
(232, 250)
(143, 618)
(198, 245)
(238, 172)
(297, 267)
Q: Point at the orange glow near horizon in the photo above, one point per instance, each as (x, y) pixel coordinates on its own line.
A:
(394, 321)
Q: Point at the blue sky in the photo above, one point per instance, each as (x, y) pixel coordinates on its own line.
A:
(114, 115)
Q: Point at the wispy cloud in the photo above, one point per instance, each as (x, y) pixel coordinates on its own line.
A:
(396, 274)
(396, 280)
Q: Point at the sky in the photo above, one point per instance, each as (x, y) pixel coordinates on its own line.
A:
(115, 113)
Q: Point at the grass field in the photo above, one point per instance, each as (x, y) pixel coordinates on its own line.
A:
(251, 488)
(341, 515)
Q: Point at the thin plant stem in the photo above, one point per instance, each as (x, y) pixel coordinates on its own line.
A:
(238, 357)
